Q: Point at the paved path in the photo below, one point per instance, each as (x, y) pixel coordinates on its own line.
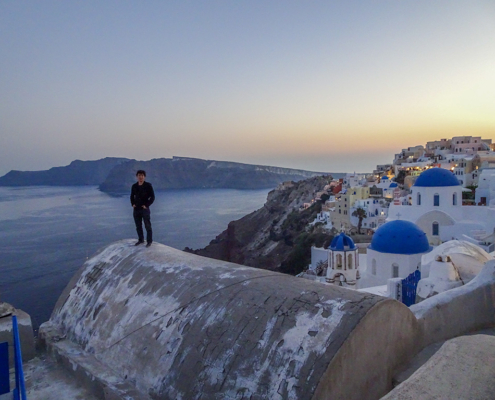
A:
(460, 368)
(423, 356)
(46, 380)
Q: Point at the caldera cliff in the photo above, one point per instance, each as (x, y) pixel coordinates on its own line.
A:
(194, 173)
(277, 236)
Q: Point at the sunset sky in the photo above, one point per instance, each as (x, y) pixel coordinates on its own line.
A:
(319, 85)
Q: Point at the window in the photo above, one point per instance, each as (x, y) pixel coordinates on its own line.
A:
(454, 199)
(419, 199)
(395, 270)
(339, 261)
(349, 261)
(436, 200)
(373, 267)
(435, 229)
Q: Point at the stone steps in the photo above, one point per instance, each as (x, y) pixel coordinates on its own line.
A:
(85, 370)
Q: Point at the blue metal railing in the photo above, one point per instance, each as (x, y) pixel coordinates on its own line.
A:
(19, 371)
(409, 286)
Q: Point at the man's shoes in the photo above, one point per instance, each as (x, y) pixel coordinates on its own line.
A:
(148, 244)
(139, 242)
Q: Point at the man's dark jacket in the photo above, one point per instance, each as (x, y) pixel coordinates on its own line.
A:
(142, 195)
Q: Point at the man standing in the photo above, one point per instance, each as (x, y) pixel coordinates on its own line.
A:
(142, 197)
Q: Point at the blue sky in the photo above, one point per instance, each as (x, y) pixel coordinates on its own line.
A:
(321, 85)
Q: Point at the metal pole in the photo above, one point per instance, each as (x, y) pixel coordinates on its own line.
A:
(19, 372)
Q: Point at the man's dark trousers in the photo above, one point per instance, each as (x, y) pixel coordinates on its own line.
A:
(139, 217)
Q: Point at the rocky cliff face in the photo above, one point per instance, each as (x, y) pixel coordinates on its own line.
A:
(116, 175)
(193, 173)
(277, 236)
(77, 173)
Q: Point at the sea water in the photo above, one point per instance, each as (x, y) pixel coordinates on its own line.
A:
(46, 233)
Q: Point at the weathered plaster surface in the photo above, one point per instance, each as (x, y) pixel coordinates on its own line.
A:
(461, 369)
(458, 311)
(467, 258)
(25, 328)
(385, 338)
(181, 326)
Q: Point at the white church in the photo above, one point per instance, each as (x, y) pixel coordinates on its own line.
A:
(436, 207)
(395, 252)
(412, 240)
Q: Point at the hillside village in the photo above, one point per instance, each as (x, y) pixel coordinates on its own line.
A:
(429, 216)
(470, 159)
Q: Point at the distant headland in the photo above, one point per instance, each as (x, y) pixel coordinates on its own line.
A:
(116, 175)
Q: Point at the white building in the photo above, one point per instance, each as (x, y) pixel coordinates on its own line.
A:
(443, 276)
(450, 265)
(485, 192)
(395, 252)
(343, 261)
(468, 258)
(436, 207)
(376, 212)
(354, 180)
(469, 144)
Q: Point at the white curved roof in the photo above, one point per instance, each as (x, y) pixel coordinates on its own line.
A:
(467, 257)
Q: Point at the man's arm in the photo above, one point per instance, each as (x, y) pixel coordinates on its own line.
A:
(132, 196)
(151, 196)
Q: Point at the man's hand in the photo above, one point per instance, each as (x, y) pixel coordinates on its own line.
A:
(133, 206)
(144, 207)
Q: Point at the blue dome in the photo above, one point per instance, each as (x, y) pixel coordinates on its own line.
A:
(400, 237)
(342, 242)
(434, 177)
(384, 178)
(393, 185)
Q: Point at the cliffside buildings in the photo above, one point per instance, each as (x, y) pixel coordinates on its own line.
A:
(421, 202)
(340, 216)
(465, 159)
(463, 155)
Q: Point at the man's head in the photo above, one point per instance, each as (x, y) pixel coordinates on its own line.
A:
(141, 175)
